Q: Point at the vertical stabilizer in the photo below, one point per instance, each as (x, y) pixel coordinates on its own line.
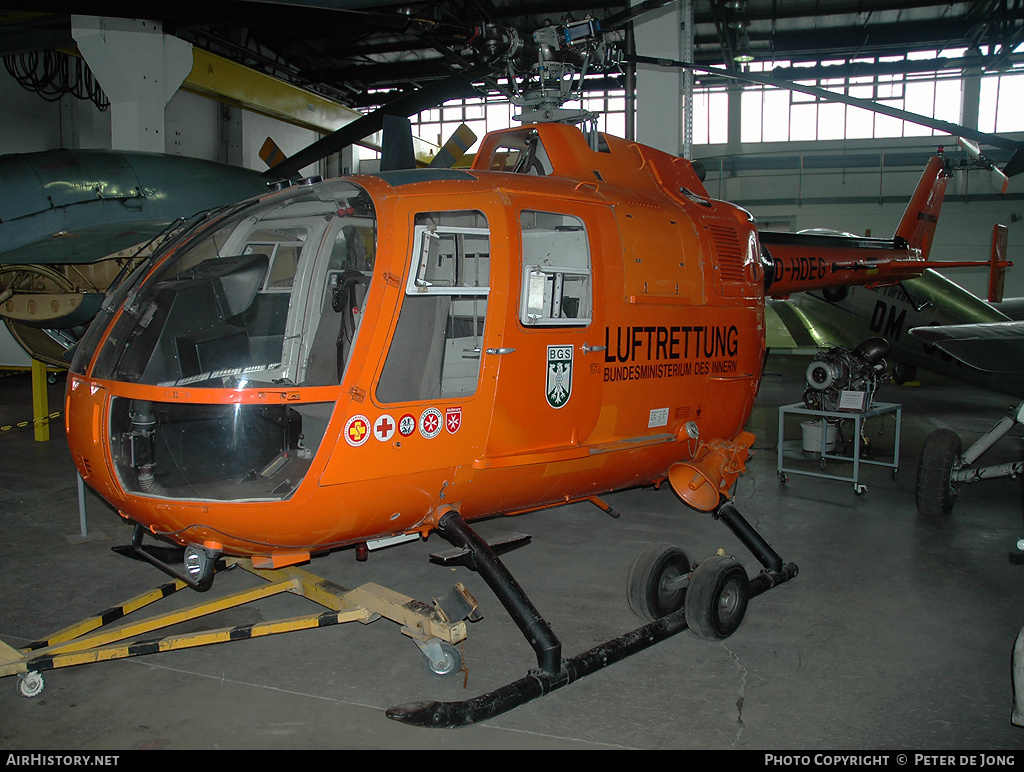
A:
(917, 227)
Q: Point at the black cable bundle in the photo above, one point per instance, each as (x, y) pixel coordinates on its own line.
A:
(51, 75)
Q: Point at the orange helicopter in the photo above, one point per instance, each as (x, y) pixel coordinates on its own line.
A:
(354, 362)
(342, 362)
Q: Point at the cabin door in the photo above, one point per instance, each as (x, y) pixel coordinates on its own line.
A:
(548, 394)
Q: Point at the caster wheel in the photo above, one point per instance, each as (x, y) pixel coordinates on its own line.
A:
(783, 478)
(450, 664)
(657, 581)
(30, 684)
(716, 599)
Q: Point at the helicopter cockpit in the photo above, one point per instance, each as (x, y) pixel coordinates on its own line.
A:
(269, 295)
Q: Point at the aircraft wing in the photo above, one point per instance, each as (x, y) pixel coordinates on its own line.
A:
(78, 206)
(797, 325)
(995, 347)
(83, 244)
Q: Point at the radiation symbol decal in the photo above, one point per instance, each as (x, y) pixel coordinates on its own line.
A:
(559, 379)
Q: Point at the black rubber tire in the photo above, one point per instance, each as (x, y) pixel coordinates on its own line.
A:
(717, 597)
(935, 492)
(656, 566)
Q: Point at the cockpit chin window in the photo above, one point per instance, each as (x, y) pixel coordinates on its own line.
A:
(267, 295)
(231, 452)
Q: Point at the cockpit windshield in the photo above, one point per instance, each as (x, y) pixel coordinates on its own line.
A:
(267, 294)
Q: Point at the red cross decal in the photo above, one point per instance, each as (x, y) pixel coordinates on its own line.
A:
(384, 428)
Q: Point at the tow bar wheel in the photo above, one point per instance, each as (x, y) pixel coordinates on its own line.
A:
(443, 662)
(30, 684)
(657, 581)
(716, 599)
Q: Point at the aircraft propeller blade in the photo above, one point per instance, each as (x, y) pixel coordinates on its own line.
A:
(451, 151)
(270, 153)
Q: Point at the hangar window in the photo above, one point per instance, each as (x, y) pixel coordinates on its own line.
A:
(521, 153)
(556, 288)
(494, 112)
(438, 341)
(904, 82)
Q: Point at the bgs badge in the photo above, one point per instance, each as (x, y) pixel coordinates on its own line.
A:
(559, 378)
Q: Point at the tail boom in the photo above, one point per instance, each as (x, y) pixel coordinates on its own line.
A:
(811, 261)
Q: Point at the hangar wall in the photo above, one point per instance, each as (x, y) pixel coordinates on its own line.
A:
(862, 188)
(195, 126)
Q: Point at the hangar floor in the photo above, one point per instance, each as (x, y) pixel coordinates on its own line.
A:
(897, 633)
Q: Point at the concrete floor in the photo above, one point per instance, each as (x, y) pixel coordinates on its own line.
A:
(897, 633)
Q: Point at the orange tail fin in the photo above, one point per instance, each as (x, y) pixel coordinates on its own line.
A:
(917, 227)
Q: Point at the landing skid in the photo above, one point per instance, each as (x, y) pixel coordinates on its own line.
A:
(710, 612)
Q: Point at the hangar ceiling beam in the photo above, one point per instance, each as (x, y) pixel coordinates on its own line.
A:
(232, 83)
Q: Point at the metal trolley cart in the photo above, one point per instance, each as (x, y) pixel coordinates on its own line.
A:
(858, 417)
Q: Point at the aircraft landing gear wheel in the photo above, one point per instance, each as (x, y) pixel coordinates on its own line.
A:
(30, 684)
(449, 664)
(717, 598)
(936, 491)
(657, 581)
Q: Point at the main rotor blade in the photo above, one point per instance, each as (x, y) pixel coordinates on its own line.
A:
(623, 18)
(452, 87)
(831, 96)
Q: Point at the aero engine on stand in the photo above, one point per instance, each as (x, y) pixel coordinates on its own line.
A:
(838, 378)
(835, 370)
(840, 387)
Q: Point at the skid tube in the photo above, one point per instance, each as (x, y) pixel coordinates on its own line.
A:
(553, 673)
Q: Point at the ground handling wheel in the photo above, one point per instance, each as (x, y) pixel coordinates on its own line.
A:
(447, 663)
(716, 599)
(657, 581)
(936, 493)
(30, 684)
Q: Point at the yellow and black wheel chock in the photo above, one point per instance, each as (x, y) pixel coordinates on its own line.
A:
(434, 629)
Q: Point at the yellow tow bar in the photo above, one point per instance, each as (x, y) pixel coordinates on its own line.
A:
(94, 640)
